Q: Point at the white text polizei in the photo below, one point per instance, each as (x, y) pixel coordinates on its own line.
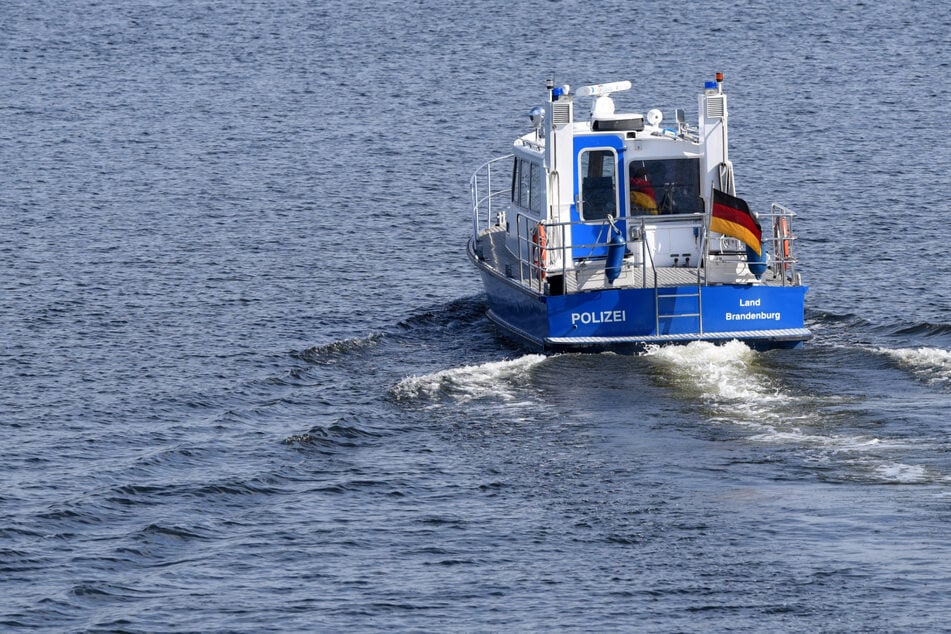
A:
(599, 317)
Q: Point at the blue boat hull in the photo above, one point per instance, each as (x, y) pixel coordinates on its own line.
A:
(630, 318)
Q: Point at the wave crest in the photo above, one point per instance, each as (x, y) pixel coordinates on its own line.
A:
(717, 373)
(328, 353)
(496, 379)
(930, 365)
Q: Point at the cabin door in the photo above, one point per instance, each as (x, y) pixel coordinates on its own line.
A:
(598, 194)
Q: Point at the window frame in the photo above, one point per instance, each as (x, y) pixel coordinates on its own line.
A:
(661, 166)
(583, 176)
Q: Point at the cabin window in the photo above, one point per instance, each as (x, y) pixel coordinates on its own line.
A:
(668, 186)
(536, 188)
(598, 173)
(527, 185)
(524, 183)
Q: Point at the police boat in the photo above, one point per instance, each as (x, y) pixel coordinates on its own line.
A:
(618, 230)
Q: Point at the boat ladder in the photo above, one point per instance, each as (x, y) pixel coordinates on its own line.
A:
(672, 303)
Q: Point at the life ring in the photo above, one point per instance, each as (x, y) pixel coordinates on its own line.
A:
(539, 253)
(782, 238)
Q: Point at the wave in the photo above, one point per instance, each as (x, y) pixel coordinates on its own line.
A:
(724, 373)
(732, 382)
(496, 379)
(825, 317)
(448, 325)
(878, 469)
(729, 381)
(930, 365)
(329, 353)
(924, 329)
(339, 435)
(461, 311)
(902, 473)
(850, 329)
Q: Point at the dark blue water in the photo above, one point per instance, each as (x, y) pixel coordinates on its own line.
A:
(248, 384)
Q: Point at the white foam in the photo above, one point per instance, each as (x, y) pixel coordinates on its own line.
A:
(730, 382)
(931, 365)
(725, 376)
(902, 473)
(496, 379)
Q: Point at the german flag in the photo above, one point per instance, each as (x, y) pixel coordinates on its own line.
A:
(731, 217)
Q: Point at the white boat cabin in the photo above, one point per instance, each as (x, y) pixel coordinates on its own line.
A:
(572, 180)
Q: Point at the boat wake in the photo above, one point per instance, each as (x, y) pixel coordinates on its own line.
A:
(737, 389)
(498, 380)
(929, 365)
(335, 351)
(925, 329)
(723, 376)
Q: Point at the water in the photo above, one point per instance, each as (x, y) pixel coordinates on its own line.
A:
(248, 383)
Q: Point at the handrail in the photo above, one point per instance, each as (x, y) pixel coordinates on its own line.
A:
(491, 202)
(647, 252)
(783, 240)
(482, 203)
(557, 247)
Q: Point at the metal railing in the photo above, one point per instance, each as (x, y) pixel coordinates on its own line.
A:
(490, 192)
(782, 239)
(544, 249)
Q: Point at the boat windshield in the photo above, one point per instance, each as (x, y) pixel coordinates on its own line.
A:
(665, 186)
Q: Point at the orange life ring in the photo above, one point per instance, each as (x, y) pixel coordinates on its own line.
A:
(539, 254)
(782, 236)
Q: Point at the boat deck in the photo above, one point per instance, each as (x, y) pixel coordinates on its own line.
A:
(588, 275)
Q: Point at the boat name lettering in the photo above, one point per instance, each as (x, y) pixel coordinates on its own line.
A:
(750, 302)
(600, 317)
(751, 315)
